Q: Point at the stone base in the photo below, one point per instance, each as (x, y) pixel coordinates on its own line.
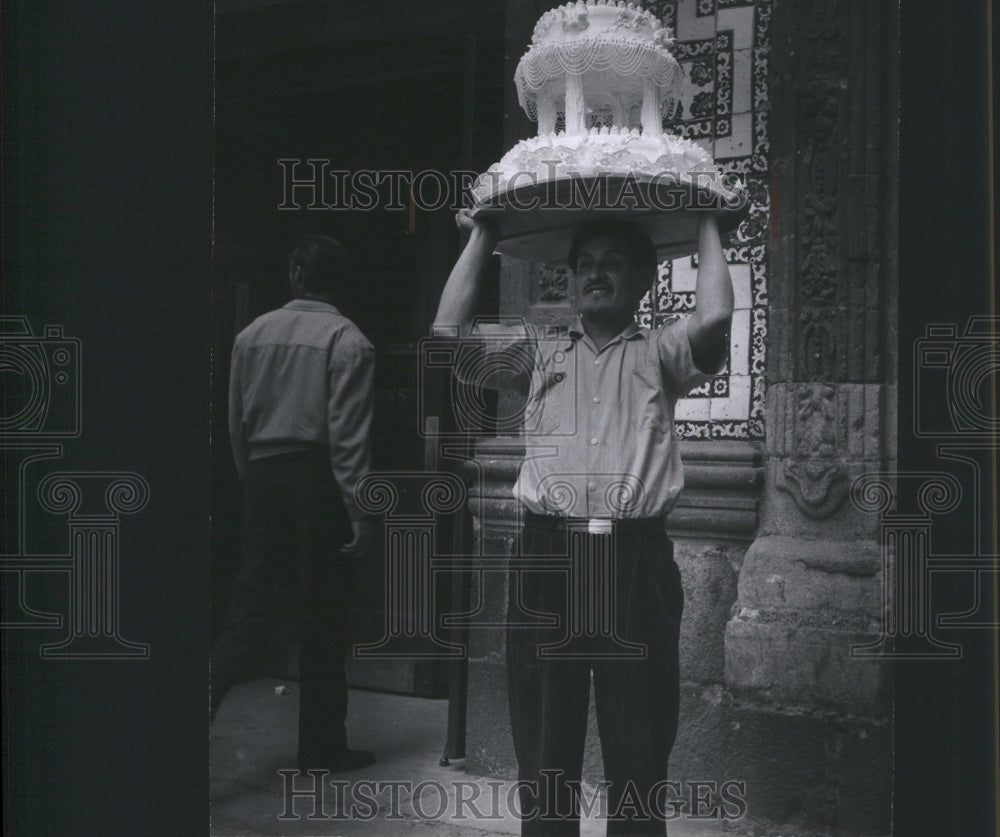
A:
(793, 663)
(806, 771)
(489, 749)
(708, 573)
(802, 606)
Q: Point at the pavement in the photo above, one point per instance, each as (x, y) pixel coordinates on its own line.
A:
(406, 791)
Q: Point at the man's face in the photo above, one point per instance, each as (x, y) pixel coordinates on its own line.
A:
(606, 282)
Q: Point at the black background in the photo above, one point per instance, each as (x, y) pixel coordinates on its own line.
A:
(107, 230)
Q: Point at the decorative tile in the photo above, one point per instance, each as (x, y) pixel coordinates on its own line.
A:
(704, 391)
(739, 343)
(742, 80)
(685, 275)
(644, 314)
(740, 274)
(723, 77)
(739, 143)
(724, 49)
(728, 430)
(666, 11)
(693, 409)
(737, 405)
(738, 19)
(690, 24)
(694, 430)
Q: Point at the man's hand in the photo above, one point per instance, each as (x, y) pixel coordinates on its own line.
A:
(464, 219)
(466, 222)
(462, 290)
(365, 532)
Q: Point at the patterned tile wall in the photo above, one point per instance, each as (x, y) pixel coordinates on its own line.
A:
(723, 47)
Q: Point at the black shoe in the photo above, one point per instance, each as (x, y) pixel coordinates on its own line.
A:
(343, 761)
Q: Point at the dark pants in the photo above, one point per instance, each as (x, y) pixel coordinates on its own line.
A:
(628, 579)
(294, 586)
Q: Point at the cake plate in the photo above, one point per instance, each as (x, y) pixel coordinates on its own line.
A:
(535, 221)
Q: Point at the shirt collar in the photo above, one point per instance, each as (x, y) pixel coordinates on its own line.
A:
(627, 333)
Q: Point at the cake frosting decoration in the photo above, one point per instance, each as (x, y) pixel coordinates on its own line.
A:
(599, 77)
(618, 54)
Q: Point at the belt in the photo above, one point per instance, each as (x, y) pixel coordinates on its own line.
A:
(597, 525)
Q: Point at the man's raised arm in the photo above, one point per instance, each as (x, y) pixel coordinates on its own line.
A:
(709, 327)
(462, 290)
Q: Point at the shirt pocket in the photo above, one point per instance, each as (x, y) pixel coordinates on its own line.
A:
(649, 397)
(543, 412)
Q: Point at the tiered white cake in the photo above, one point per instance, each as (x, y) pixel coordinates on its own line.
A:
(605, 71)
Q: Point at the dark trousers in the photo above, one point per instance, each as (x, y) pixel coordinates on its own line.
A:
(628, 579)
(293, 586)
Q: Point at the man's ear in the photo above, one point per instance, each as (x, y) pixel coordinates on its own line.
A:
(295, 279)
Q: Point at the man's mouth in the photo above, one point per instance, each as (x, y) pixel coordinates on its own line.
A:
(598, 289)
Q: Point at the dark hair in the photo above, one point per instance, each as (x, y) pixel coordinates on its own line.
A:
(321, 259)
(638, 247)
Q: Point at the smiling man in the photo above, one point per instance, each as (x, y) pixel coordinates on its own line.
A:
(600, 476)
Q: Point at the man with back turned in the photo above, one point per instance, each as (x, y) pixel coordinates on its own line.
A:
(300, 408)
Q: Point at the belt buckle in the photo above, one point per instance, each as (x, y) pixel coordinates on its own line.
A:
(599, 526)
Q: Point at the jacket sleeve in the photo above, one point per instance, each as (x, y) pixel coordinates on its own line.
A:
(349, 411)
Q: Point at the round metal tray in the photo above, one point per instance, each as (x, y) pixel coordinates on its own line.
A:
(536, 221)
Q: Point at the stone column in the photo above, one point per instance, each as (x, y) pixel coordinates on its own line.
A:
(815, 716)
(489, 748)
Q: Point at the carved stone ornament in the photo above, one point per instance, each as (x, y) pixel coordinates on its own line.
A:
(554, 284)
(818, 488)
(816, 482)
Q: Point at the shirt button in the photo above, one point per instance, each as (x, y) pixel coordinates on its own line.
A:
(591, 486)
(597, 362)
(597, 400)
(593, 441)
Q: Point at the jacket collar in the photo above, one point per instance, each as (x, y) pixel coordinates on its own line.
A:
(311, 305)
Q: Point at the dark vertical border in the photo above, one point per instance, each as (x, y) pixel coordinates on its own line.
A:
(945, 724)
(107, 174)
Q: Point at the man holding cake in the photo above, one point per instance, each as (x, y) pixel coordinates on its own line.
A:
(603, 472)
